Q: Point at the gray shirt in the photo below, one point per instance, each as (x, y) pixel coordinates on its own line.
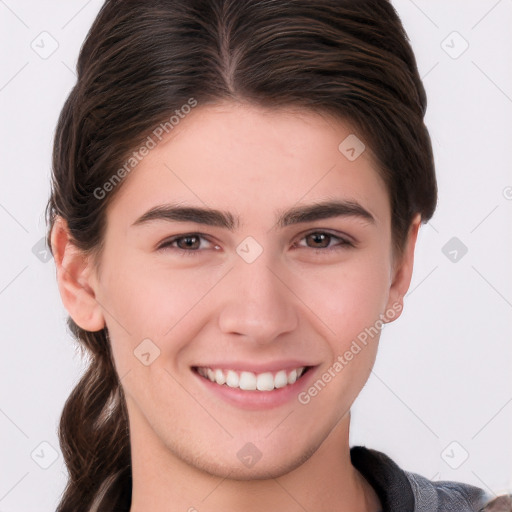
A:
(403, 491)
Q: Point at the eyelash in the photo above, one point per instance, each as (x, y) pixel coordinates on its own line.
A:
(343, 243)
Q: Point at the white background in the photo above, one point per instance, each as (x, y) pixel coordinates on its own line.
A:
(441, 389)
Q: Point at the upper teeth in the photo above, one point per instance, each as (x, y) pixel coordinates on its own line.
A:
(250, 381)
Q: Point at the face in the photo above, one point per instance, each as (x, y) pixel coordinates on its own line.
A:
(274, 253)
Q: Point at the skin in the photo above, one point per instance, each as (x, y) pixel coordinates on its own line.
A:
(298, 299)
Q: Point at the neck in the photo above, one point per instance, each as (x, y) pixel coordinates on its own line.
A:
(325, 480)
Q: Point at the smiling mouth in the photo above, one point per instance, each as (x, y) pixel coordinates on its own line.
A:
(249, 381)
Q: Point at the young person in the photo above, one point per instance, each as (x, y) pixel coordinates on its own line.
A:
(237, 191)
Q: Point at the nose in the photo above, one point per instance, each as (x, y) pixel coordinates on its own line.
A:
(256, 302)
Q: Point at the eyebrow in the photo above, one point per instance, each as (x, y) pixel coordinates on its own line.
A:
(218, 218)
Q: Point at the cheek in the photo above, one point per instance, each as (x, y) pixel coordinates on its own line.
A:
(152, 302)
(149, 299)
(348, 298)
(347, 302)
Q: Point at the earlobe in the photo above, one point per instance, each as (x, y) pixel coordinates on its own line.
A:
(402, 274)
(73, 278)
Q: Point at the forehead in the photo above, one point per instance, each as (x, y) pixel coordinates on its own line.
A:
(253, 160)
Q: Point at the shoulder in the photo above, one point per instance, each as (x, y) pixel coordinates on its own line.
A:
(500, 504)
(404, 491)
(446, 495)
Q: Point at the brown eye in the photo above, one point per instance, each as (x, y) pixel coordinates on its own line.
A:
(323, 242)
(318, 240)
(188, 242)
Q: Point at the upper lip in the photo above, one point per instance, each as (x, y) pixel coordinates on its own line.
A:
(271, 366)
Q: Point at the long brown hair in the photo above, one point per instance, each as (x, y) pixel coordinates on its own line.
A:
(142, 61)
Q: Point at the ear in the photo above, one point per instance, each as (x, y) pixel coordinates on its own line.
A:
(402, 274)
(74, 278)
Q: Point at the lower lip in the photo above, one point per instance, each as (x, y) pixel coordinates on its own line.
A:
(258, 400)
